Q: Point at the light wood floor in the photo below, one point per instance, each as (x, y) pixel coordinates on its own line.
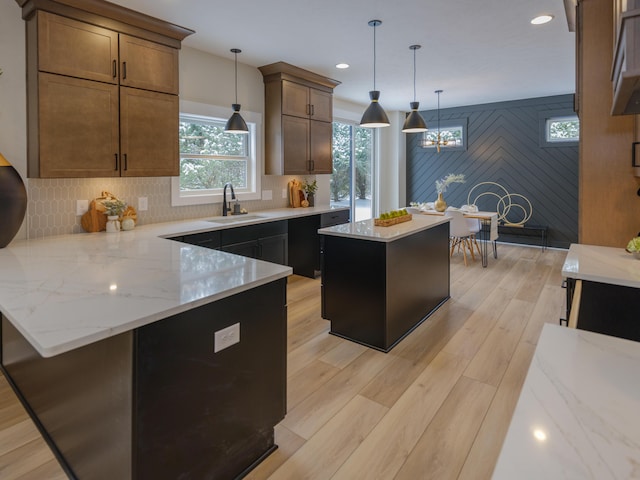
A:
(437, 406)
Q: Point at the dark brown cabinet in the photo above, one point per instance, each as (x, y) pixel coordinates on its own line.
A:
(299, 115)
(102, 103)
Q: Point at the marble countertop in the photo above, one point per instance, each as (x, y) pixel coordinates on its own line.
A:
(577, 415)
(68, 291)
(366, 230)
(602, 264)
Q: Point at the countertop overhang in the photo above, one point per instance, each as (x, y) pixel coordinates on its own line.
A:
(602, 264)
(366, 230)
(68, 291)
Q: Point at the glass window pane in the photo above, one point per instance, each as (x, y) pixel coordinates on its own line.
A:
(563, 129)
(209, 138)
(210, 173)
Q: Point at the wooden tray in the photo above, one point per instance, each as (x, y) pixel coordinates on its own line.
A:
(392, 221)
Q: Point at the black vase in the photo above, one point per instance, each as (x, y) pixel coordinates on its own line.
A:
(13, 202)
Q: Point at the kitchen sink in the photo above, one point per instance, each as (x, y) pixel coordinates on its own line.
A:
(235, 219)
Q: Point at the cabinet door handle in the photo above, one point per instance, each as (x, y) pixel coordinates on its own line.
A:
(124, 70)
(125, 161)
(116, 155)
(313, 165)
(313, 110)
(115, 68)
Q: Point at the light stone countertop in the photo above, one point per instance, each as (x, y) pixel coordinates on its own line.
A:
(578, 413)
(68, 291)
(602, 264)
(366, 230)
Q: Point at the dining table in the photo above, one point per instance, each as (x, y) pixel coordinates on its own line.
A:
(488, 232)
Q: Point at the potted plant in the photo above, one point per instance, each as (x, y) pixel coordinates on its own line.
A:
(441, 187)
(310, 189)
(113, 209)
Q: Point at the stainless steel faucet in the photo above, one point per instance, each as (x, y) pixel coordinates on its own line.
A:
(225, 206)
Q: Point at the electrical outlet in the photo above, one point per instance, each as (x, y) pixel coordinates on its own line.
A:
(267, 194)
(284, 193)
(226, 337)
(143, 204)
(82, 206)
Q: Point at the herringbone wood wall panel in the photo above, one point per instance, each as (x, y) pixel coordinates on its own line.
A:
(504, 146)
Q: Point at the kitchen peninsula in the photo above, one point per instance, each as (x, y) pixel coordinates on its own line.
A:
(379, 283)
(142, 357)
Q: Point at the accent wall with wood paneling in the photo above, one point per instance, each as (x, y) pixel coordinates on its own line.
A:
(505, 144)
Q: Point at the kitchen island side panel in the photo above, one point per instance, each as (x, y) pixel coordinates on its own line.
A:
(377, 292)
(418, 279)
(81, 398)
(353, 286)
(200, 414)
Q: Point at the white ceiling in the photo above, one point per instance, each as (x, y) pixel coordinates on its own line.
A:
(477, 51)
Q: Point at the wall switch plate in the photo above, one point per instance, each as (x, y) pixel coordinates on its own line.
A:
(226, 337)
(143, 204)
(267, 194)
(284, 193)
(82, 206)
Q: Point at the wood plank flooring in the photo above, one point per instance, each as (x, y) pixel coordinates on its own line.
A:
(437, 406)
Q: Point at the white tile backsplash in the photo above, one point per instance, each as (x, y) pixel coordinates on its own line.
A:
(52, 202)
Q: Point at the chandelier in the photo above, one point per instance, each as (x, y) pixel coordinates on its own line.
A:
(439, 140)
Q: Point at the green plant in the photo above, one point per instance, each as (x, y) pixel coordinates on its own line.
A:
(443, 183)
(633, 245)
(114, 207)
(310, 188)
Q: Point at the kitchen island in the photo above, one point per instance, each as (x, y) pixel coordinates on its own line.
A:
(141, 357)
(577, 415)
(379, 283)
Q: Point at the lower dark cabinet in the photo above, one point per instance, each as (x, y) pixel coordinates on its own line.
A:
(270, 249)
(604, 308)
(264, 241)
(305, 243)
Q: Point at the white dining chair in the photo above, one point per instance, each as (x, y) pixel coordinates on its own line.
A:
(460, 234)
(474, 226)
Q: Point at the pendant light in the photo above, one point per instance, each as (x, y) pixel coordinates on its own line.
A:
(236, 123)
(374, 116)
(414, 123)
(438, 139)
(438, 142)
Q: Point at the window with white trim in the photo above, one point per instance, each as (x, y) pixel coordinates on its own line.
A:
(562, 129)
(210, 158)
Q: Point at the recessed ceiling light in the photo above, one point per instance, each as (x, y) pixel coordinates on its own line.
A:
(342, 65)
(542, 19)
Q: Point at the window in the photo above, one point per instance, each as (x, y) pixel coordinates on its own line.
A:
(563, 129)
(351, 183)
(453, 135)
(559, 128)
(209, 157)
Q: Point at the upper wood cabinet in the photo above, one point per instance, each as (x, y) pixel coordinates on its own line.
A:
(626, 58)
(102, 100)
(299, 115)
(148, 65)
(306, 102)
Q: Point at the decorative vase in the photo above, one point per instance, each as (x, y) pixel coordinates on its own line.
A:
(310, 199)
(440, 205)
(113, 224)
(127, 223)
(13, 202)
